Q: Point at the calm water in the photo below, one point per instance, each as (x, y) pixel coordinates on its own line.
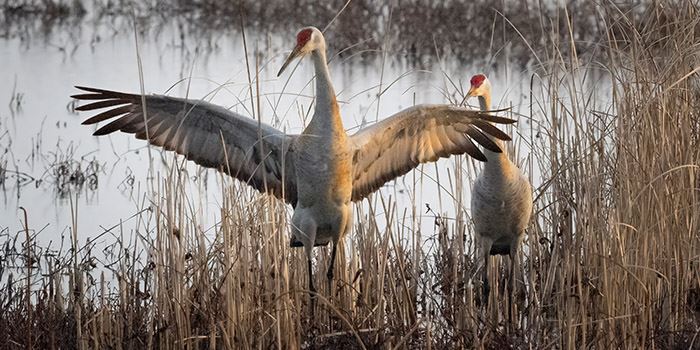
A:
(42, 130)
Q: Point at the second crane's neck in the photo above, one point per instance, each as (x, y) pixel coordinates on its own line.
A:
(494, 159)
(327, 114)
(485, 102)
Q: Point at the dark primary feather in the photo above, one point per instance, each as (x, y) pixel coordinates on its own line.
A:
(100, 104)
(209, 135)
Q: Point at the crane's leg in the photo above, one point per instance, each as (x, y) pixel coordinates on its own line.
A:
(306, 232)
(311, 278)
(511, 277)
(345, 228)
(485, 280)
(312, 290)
(330, 270)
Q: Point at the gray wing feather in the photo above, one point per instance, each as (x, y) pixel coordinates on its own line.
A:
(207, 134)
(420, 134)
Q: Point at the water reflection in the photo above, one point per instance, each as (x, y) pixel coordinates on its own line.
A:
(421, 31)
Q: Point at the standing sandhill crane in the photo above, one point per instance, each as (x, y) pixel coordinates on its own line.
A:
(322, 170)
(501, 201)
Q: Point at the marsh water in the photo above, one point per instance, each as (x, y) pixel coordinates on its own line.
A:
(56, 170)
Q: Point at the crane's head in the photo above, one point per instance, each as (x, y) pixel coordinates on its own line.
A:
(308, 40)
(480, 86)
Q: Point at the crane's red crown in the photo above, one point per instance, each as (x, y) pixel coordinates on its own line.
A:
(477, 80)
(303, 37)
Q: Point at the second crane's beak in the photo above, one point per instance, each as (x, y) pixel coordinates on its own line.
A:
(470, 93)
(294, 54)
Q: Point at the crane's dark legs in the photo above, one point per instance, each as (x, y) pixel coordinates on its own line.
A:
(305, 231)
(513, 256)
(330, 270)
(312, 290)
(485, 280)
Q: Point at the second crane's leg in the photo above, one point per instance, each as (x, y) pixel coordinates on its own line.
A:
(330, 270)
(485, 280)
(312, 292)
(513, 257)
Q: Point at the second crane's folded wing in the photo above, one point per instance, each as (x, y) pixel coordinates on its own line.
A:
(416, 135)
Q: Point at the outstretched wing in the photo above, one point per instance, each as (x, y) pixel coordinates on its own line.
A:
(420, 134)
(211, 136)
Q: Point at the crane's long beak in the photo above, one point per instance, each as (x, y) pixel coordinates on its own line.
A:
(469, 94)
(294, 54)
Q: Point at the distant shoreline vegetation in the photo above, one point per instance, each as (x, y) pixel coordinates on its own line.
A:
(416, 29)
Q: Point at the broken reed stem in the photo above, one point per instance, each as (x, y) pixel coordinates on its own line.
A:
(76, 287)
(28, 291)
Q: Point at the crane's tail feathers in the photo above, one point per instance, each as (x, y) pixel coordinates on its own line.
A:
(499, 249)
(295, 243)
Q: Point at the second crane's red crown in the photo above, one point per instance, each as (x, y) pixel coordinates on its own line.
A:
(303, 37)
(476, 81)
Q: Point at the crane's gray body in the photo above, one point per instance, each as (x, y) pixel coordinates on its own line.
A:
(323, 160)
(501, 205)
(501, 196)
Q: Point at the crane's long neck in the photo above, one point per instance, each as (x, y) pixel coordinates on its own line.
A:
(494, 159)
(326, 115)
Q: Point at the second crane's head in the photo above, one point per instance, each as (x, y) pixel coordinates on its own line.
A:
(308, 40)
(481, 86)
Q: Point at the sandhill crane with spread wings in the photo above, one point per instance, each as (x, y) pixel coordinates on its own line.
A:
(322, 170)
(501, 201)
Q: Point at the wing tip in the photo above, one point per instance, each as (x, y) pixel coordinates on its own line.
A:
(100, 132)
(87, 88)
(496, 119)
(101, 93)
